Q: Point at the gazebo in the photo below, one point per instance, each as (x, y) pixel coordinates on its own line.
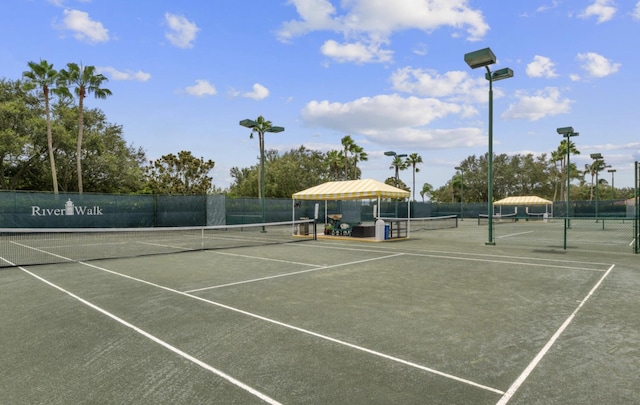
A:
(526, 201)
(350, 190)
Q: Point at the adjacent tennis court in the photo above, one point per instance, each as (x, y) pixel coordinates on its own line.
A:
(436, 319)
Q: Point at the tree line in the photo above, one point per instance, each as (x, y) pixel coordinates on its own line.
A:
(50, 142)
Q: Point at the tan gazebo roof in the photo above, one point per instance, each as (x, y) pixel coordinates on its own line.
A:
(351, 190)
(523, 200)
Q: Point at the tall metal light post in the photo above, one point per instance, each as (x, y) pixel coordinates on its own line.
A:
(461, 191)
(597, 157)
(613, 188)
(260, 129)
(484, 58)
(567, 132)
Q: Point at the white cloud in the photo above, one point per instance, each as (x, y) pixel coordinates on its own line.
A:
(541, 67)
(603, 9)
(259, 92)
(115, 74)
(83, 27)
(636, 12)
(383, 112)
(554, 4)
(544, 103)
(201, 88)
(182, 32)
(316, 15)
(355, 52)
(366, 24)
(454, 85)
(597, 65)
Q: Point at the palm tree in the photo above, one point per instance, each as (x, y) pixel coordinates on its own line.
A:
(43, 76)
(555, 158)
(348, 144)
(335, 161)
(84, 81)
(412, 161)
(562, 151)
(427, 189)
(593, 169)
(397, 164)
(359, 155)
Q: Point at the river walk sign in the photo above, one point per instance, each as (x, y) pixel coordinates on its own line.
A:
(69, 209)
(33, 209)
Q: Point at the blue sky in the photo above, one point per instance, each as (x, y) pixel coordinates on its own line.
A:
(390, 73)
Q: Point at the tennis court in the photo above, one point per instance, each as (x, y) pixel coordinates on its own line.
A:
(436, 319)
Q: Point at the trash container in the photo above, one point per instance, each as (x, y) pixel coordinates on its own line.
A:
(380, 230)
(387, 231)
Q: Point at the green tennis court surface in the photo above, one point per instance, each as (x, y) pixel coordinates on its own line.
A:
(437, 319)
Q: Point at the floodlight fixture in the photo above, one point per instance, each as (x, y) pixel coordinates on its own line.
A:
(499, 74)
(565, 130)
(390, 153)
(596, 156)
(248, 123)
(480, 58)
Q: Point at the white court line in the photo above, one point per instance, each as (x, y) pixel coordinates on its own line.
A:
(318, 268)
(513, 234)
(263, 258)
(444, 252)
(305, 331)
(521, 379)
(161, 342)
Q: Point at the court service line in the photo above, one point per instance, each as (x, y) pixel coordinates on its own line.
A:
(428, 251)
(527, 371)
(264, 258)
(474, 259)
(161, 342)
(293, 273)
(513, 234)
(305, 331)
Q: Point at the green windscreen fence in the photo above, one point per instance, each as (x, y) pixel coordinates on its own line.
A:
(46, 210)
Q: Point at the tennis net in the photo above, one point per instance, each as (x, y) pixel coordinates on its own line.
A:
(433, 223)
(483, 219)
(31, 246)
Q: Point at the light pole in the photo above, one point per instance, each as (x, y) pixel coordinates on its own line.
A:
(597, 157)
(613, 188)
(461, 191)
(484, 58)
(567, 132)
(395, 164)
(260, 127)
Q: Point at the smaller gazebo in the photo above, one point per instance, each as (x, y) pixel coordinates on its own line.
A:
(527, 201)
